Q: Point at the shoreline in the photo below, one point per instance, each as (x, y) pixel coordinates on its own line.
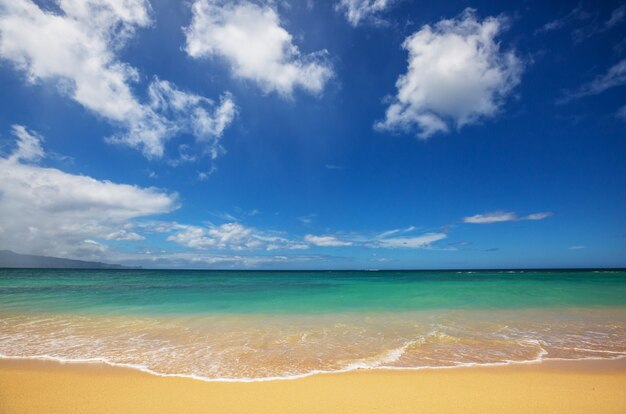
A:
(619, 359)
(549, 386)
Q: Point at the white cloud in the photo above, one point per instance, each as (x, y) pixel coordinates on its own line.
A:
(325, 241)
(621, 113)
(195, 114)
(357, 11)
(125, 235)
(237, 237)
(488, 218)
(388, 233)
(77, 49)
(537, 216)
(250, 38)
(457, 75)
(503, 216)
(48, 211)
(229, 236)
(28, 145)
(615, 76)
(202, 259)
(416, 242)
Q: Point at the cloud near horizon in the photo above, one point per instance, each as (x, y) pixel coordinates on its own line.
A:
(325, 241)
(230, 236)
(457, 75)
(51, 212)
(48, 211)
(423, 241)
(503, 217)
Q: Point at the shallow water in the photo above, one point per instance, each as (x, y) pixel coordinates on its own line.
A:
(259, 325)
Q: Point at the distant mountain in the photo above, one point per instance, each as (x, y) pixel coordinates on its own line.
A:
(16, 260)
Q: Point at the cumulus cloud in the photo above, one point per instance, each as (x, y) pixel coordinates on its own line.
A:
(357, 11)
(255, 45)
(457, 75)
(503, 216)
(48, 211)
(615, 76)
(325, 241)
(77, 49)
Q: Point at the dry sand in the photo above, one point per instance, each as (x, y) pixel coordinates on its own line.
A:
(549, 387)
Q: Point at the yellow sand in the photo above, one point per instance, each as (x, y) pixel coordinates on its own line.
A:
(583, 387)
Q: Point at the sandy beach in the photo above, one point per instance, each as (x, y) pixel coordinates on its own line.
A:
(549, 387)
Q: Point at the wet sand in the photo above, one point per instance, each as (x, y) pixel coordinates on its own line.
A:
(28, 386)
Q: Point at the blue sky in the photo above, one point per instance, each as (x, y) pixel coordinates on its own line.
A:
(307, 134)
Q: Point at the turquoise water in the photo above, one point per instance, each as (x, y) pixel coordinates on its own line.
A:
(237, 325)
(171, 291)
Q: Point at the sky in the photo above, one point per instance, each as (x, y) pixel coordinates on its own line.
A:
(339, 134)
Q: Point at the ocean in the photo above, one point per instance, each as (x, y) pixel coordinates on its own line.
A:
(260, 325)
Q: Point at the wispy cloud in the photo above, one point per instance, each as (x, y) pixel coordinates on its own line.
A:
(413, 242)
(537, 216)
(617, 17)
(307, 219)
(390, 239)
(325, 241)
(392, 232)
(577, 247)
(577, 14)
(203, 259)
(238, 237)
(621, 113)
(504, 216)
(615, 76)
(589, 23)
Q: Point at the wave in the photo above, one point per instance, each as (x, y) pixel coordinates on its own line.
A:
(247, 348)
(351, 368)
